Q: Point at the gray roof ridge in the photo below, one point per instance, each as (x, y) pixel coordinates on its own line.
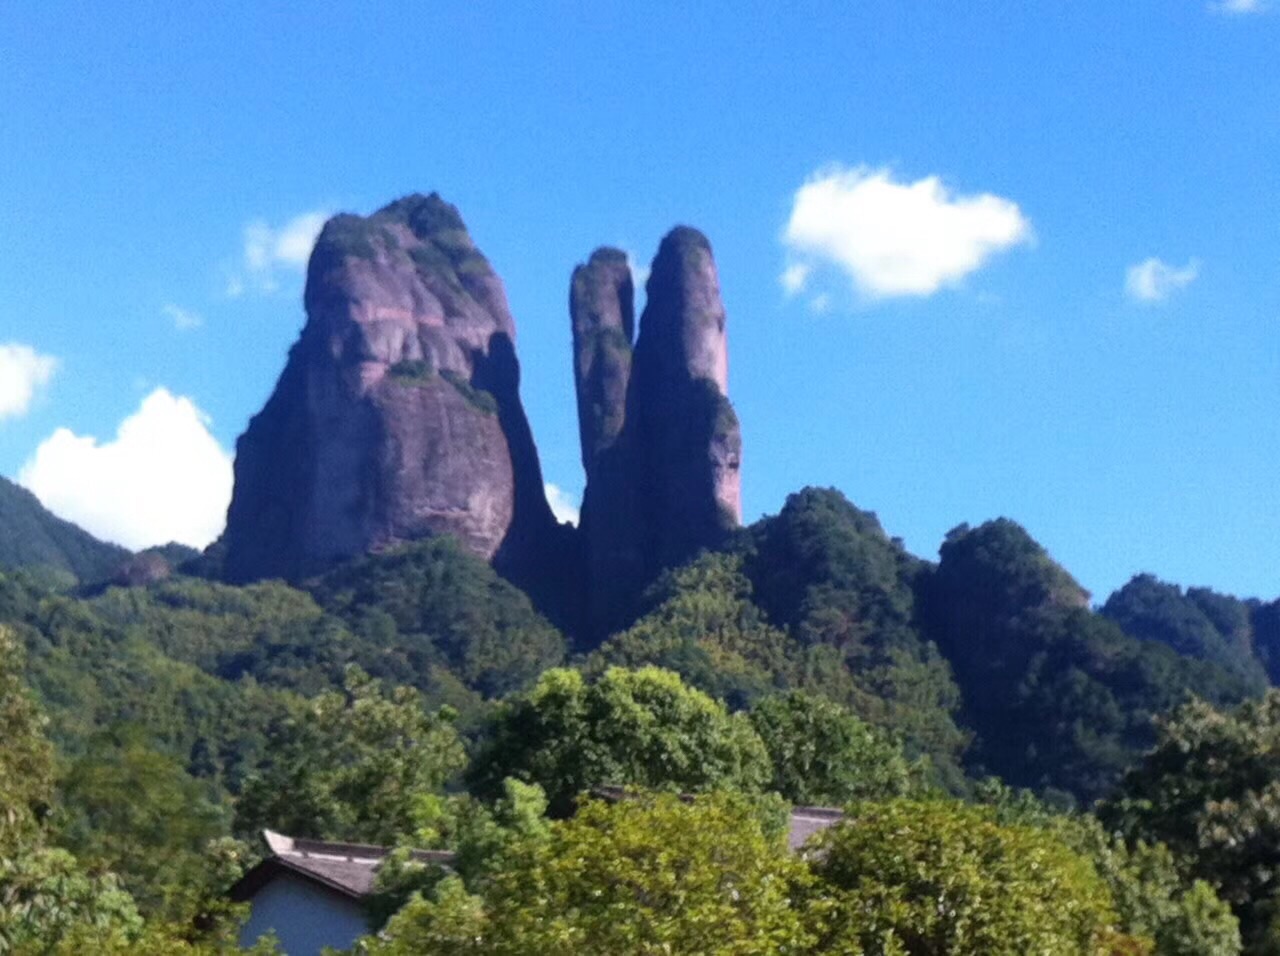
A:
(282, 845)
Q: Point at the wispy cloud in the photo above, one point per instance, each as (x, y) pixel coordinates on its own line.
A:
(163, 477)
(563, 505)
(270, 251)
(795, 275)
(1239, 7)
(184, 320)
(1154, 280)
(23, 372)
(894, 238)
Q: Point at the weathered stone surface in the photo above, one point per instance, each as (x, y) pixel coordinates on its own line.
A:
(398, 414)
(602, 308)
(663, 476)
(679, 397)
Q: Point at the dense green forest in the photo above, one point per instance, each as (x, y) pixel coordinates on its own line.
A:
(973, 714)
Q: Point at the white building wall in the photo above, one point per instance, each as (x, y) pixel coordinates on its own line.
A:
(304, 916)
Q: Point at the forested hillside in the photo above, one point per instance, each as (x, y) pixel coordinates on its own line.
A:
(811, 660)
(32, 537)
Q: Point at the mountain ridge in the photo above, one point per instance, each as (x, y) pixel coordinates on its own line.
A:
(33, 536)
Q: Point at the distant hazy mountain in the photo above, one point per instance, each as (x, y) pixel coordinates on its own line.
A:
(31, 536)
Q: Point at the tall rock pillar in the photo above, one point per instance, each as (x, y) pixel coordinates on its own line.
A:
(663, 466)
(398, 413)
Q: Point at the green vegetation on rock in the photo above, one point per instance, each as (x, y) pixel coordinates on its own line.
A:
(476, 397)
(411, 372)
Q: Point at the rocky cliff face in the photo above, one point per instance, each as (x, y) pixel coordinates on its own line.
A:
(660, 441)
(602, 309)
(679, 401)
(398, 414)
(398, 417)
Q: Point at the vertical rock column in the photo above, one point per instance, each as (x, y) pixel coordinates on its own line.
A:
(678, 400)
(602, 310)
(602, 307)
(663, 465)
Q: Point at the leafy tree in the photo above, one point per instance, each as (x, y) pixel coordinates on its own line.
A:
(129, 809)
(823, 754)
(26, 759)
(1060, 698)
(941, 877)
(90, 673)
(1200, 623)
(647, 875)
(51, 905)
(354, 764)
(50, 902)
(480, 835)
(702, 624)
(438, 605)
(641, 728)
(1264, 620)
(449, 920)
(1210, 790)
(845, 592)
(45, 896)
(205, 623)
(1153, 897)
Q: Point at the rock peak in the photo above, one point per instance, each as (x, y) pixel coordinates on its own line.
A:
(683, 237)
(425, 215)
(608, 255)
(661, 443)
(398, 414)
(602, 308)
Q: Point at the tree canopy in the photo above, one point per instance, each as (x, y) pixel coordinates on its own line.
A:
(642, 728)
(1210, 790)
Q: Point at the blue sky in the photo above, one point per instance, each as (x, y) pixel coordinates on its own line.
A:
(1030, 251)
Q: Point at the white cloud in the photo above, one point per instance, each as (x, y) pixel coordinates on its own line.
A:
(184, 320)
(895, 238)
(163, 478)
(23, 371)
(563, 505)
(269, 250)
(1154, 281)
(1239, 7)
(795, 275)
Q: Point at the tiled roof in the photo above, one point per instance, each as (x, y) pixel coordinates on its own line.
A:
(347, 868)
(351, 868)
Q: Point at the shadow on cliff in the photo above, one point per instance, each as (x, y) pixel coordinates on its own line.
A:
(539, 555)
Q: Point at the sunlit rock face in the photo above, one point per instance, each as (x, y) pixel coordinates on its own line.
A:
(398, 413)
(660, 441)
(398, 416)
